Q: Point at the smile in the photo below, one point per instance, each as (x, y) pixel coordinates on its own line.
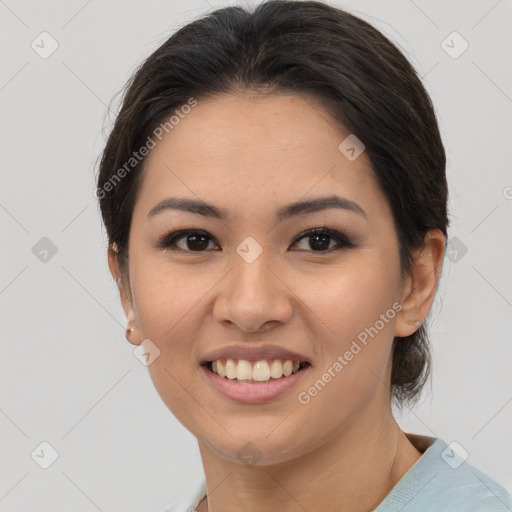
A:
(249, 389)
(262, 371)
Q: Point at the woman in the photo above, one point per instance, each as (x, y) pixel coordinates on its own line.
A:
(275, 199)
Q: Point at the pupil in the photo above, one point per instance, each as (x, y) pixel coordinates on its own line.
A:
(196, 239)
(315, 237)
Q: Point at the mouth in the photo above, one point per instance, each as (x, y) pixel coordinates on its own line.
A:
(255, 372)
(254, 382)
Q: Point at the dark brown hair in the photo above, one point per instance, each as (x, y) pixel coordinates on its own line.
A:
(309, 47)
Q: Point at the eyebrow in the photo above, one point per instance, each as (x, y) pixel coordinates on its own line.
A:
(302, 207)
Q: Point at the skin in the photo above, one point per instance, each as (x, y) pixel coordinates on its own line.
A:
(251, 154)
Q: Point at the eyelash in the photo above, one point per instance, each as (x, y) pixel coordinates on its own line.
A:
(167, 241)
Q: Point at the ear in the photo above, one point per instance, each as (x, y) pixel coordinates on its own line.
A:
(421, 285)
(132, 330)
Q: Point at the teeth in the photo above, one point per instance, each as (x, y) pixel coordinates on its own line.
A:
(276, 369)
(221, 369)
(243, 370)
(260, 371)
(230, 369)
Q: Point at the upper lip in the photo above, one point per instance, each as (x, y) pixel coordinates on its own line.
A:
(253, 353)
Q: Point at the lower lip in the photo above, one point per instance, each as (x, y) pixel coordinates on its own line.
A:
(253, 393)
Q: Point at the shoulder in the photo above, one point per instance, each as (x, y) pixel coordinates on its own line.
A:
(443, 480)
(189, 500)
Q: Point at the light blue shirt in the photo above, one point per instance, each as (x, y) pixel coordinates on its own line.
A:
(440, 481)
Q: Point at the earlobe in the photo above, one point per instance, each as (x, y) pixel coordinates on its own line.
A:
(420, 286)
(132, 330)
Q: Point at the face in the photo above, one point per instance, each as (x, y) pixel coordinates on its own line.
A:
(254, 277)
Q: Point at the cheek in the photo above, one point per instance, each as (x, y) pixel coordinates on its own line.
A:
(165, 294)
(173, 307)
(353, 316)
(350, 298)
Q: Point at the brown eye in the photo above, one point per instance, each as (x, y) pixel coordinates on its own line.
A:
(319, 240)
(193, 241)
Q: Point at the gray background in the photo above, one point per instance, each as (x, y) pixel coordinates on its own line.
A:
(67, 374)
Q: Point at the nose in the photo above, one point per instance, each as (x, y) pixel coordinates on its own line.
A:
(253, 297)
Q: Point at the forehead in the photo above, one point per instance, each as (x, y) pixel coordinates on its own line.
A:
(251, 150)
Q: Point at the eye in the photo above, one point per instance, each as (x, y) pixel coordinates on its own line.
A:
(194, 240)
(319, 240)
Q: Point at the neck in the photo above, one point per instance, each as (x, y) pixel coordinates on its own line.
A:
(353, 471)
